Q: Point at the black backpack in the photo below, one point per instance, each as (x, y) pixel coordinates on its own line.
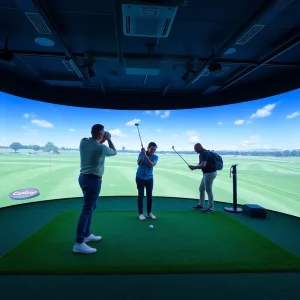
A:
(217, 160)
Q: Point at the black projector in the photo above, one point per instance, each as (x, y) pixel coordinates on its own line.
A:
(254, 211)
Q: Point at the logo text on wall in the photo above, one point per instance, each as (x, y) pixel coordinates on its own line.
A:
(24, 194)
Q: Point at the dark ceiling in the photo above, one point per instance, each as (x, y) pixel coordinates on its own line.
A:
(178, 54)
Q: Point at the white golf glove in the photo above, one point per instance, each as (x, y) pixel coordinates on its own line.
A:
(107, 135)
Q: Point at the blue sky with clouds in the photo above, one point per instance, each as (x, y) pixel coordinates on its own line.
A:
(272, 122)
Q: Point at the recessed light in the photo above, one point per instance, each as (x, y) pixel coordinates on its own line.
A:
(230, 51)
(42, 41)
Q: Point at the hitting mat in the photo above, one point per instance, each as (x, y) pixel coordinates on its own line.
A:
(179, 242)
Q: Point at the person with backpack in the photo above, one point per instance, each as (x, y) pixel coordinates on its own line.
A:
(209, 163)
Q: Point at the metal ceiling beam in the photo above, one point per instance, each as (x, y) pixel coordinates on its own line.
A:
(139, 56)
(36, 6)
(267, 12)
(286, 46)
(118, 32)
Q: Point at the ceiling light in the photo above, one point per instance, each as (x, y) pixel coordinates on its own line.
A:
(44, 42)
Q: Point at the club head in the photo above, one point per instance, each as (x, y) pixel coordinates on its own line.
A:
(136, 124)
(173, 147)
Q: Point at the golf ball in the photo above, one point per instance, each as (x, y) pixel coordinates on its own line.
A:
(150, 226)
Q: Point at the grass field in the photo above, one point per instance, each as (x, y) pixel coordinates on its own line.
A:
(130, 247)
(267, 181)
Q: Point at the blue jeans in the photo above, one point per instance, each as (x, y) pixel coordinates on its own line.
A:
(91, 187)
(141, 184)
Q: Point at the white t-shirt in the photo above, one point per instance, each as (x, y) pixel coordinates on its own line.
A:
(92, 156)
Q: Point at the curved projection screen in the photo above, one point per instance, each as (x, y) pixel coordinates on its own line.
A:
(39, 150)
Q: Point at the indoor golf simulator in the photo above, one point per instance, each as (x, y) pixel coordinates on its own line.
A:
(39, 189)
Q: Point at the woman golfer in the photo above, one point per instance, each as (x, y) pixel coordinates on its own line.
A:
(144, 178)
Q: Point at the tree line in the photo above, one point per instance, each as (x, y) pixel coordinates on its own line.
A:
(52, 147)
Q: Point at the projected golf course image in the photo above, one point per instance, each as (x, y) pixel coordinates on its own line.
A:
(270, 182)
(39, 150)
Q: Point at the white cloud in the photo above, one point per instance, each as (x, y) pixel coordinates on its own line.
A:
(252, 139)
(158, 130)
(293, 115)
(193, 139)
(219, 123)
(264, 112)
(26, 115)
(162, 114)
(72, 130)
(190, 133)
(165, 114)
(239, 122)
(116, 133)
(132, 122)
(42, 123)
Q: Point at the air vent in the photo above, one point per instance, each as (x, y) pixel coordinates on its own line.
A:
(38, 23)
(142, 67)
(249, 34)
(68, 65)
(148, 20)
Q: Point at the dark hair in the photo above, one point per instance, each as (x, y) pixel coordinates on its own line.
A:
(96, 130)
(152, 144)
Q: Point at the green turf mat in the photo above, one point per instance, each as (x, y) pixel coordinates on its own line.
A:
(180, 242)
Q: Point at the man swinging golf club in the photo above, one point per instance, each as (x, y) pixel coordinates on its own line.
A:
(92, 158)
(209, 170)
(146, 161)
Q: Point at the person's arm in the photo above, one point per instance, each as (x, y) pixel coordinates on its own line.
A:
(150, 163)
(111, 145)
(202, 164)
(109, 151)
(141, 157)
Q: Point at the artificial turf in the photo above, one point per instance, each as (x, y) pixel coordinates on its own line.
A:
(180, 242)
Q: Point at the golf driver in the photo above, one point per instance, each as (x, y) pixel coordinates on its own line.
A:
(179, 155)
(137, 126)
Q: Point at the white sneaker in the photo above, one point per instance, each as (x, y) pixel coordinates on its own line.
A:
(83, 248)
(92, 238)
(151, 215)
(142, 217)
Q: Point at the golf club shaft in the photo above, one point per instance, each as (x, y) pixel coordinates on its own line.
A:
(180, 156)
(140, 137)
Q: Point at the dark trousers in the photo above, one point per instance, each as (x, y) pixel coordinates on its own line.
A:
(90, 186)
(141, 185)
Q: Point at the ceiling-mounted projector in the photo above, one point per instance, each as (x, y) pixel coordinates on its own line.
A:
(148, 19)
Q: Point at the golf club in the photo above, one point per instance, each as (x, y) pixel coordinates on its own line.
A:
(137, 126)
(179, 155)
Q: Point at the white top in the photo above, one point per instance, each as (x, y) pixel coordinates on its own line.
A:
(92, 156)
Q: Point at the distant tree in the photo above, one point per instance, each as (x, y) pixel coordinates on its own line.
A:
(36, 147)
(15, 146)
(123, 148)
(50, 147)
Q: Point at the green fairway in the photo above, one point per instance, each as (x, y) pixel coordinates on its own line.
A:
(268, 181)
(180, 242)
